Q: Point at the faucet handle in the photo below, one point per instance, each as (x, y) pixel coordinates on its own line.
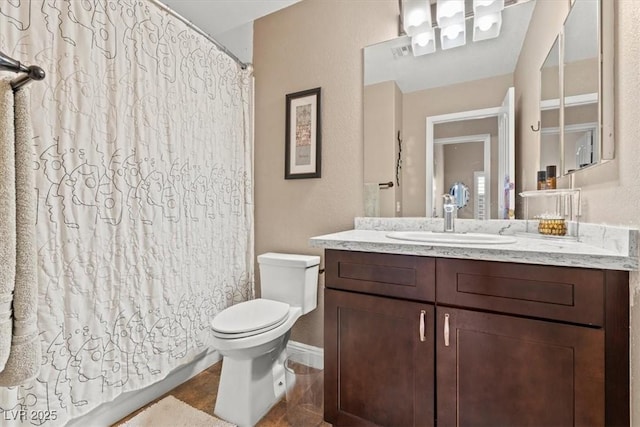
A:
(448, 198)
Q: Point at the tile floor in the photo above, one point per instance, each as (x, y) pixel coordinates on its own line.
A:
(201, 391)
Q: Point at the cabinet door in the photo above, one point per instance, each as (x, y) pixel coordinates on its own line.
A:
(496, 370)
(378, 366)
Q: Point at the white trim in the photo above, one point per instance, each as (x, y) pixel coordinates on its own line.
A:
(483, 137)
(294, 346)
(506, 157)
(570, 101)
(579, 127)
(607, 77)
(109, 413)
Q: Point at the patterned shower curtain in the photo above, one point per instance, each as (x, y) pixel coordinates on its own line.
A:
(142, 150)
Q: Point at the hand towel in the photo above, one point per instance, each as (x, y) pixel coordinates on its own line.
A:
(7, 218)
(23, 363)
(371, 199)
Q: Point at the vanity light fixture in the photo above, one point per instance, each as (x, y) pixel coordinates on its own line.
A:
(417, 23)
(450, 12)
(487, 19)
(486, 7)
(451, 20)
(453, 36)
(423, 43)
(416, 17)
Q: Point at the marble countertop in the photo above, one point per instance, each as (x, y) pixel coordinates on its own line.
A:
(599, 246)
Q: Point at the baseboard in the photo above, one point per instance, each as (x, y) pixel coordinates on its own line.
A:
(294, 346)
(110, 412)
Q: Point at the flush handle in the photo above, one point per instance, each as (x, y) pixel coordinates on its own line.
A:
(422, 320)
(446, 329)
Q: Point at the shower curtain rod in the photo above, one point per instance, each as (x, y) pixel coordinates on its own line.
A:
(32, 72)
(199, 31)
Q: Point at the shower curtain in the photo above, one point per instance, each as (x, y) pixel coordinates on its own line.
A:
(142, 150)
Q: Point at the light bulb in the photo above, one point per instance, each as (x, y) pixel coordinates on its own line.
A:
(452, 31)
(485, 22)
(423, 39)
(449, 9)
(416, 18)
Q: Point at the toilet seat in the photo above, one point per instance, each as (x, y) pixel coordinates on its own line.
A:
(249, 318)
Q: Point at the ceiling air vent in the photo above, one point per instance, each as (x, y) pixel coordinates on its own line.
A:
(401, 51)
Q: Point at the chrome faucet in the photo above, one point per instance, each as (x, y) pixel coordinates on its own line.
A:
(450, 211)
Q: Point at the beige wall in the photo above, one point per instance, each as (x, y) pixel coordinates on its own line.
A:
(611, 191)
(312, 43)
(399, 100)
(381, 122)
(580, 77)
(319, 42)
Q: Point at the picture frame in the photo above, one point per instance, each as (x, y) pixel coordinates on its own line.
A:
(303, 136)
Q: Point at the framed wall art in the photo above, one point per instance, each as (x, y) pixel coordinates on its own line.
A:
(303, 135)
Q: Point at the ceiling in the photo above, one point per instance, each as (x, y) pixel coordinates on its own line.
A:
(229, 22)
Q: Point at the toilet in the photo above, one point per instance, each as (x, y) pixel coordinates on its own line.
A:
(252, 336)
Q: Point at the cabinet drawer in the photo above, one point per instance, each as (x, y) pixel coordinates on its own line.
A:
(402, 276)
(558, 293)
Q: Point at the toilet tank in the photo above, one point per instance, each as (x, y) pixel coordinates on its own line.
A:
(290, 278)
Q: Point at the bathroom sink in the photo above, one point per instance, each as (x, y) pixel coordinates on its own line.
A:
(462, 238)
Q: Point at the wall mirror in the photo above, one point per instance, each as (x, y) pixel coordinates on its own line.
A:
(550, 108)
(460, 193)
(576, 84)
(401, 90)
(446, 105)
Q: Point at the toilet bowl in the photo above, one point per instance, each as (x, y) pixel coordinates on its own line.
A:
(252, 337)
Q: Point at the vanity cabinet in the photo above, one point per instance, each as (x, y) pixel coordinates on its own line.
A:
(503, 343)
(496, 370)
(379, 351)
(385, 370)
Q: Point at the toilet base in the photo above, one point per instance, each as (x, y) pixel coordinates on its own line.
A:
(249, 388)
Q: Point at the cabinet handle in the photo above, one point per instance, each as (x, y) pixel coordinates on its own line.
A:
(422, 315)
(446, 330)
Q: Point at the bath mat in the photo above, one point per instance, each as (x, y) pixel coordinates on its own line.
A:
(171, 412)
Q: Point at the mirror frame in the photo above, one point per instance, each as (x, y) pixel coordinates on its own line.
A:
(607, 103)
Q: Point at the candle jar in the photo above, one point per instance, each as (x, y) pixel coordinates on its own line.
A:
(551, 177)
(552, 226)
(542, 180)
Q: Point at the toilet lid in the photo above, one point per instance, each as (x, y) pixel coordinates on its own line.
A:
(249, 318)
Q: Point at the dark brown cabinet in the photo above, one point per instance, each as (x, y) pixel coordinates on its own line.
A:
(384, 370)
(419, 341)
(496, 370)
